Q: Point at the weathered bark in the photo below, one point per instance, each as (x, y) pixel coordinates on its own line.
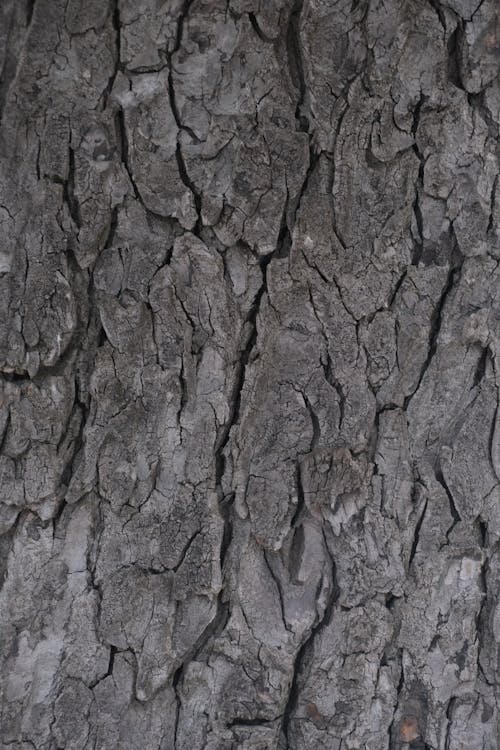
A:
(250, 368)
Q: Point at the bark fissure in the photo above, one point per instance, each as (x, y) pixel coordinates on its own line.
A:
(116, 25)
(416, 535)
(399, 690)
(453, 508)
(181, 163)
(301, 658)
(435, 328)
(255, 25)
(124, 151)
(69, 190)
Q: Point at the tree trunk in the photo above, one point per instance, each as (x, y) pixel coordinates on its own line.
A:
(250, 372)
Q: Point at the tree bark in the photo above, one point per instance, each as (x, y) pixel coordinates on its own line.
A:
(250, 374)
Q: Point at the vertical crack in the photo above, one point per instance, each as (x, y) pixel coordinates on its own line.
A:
(213, 629)
(255, 25)
(482, 527)
(337, 385)
(279, 589)
(181, 164)
(453, 508)
(124, 156)
(112, 228)
(439, 12)
(480, 370)
(492, 205)
(481, 618)
(296, 67)
(435, 328)
(302, 655)
(300, 496)
(69, 191)
(494, 439)
(30, 7)
(295, 63)
(293, 695)
(226, 501)
(449, 716)
(315, 423)
(417, 212)
(116, 25)
(178, 705)
(453, 48)
(112, 653)
(284, 236)
(399, 690)
(416, 535)
(235, 399)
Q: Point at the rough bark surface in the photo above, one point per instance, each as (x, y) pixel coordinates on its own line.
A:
(250, 374)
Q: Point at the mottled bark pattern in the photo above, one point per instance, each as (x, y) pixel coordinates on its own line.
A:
(250, 374)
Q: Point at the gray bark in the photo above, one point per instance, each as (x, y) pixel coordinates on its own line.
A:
(250, 371)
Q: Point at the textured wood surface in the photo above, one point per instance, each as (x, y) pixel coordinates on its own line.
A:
(249, 374)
